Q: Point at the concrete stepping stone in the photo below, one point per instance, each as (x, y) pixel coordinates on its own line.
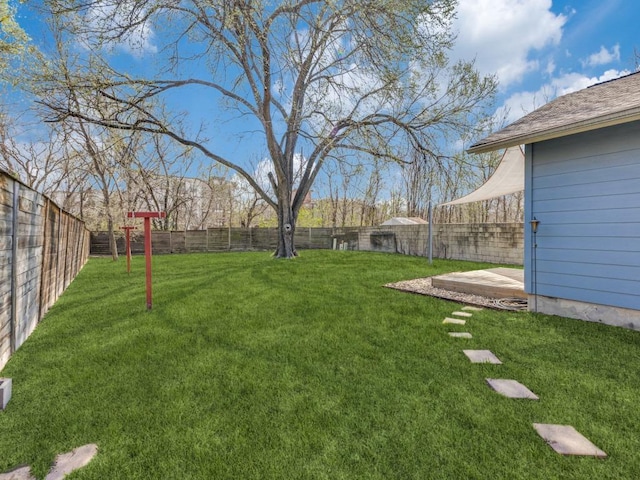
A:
(482, 356)
(460, 334)
(454, 321)
(19, 473)
(511, 388)
(566, 440)
(66, 463)
(462, 314)
(472, 309)
(5, 392)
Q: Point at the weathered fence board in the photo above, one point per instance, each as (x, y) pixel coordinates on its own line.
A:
(218, 239)
(41, 250)
(196, 240)
(212, 240)
(493, 242)
(169, 242)
(50, 258)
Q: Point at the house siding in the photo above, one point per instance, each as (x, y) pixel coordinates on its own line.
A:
(585, 191)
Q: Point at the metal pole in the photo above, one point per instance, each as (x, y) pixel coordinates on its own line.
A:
(147, 255)
(147, 244)
(430, 234)
(535, 271)
(128, 247)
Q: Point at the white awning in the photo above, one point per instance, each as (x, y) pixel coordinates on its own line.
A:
(508, 178)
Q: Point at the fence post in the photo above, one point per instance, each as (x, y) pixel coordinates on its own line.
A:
(45, 251)
(67, 277)
(430, 234)
(14, 269)
(58, 292)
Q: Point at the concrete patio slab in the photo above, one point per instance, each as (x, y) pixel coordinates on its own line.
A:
(482, 356)
(493, 283)
(454, 321)
(511, 388)
(66, 463)
(566, 440)
(462, 314)
(19, 473)
(472, 309)
(460, 334)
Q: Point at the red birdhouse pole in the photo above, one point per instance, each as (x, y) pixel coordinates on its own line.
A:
(147, 244)
(127, 245)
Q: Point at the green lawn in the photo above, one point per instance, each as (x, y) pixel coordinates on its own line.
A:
(254, 368)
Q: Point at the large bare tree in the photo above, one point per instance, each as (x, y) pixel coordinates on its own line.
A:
(321, 76)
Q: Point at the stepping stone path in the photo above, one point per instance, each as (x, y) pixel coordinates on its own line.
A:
(63, 465)
(460, 334)
(564, 439)
(18, 473)
(482, 356)
(511, 388)
(455, 321)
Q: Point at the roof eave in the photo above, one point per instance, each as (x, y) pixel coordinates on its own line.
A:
(563, 131)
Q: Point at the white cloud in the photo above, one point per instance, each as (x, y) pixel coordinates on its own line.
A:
(500, 34)
(573, 82)
(603, 57)
(522, 103)
(551, 67)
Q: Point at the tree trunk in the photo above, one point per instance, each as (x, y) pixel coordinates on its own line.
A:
(286, 227)
(113, 246)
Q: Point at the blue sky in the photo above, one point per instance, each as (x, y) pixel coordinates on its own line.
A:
(539, 49)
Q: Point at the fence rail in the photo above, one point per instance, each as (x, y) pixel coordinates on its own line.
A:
(42, 249)
(492, 242)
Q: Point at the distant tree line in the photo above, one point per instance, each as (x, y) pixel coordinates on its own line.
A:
(99, 176)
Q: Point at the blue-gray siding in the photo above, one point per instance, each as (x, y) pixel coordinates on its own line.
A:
(585, 191)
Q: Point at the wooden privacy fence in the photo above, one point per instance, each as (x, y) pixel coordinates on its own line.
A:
(42, 249)
(212, 240)
(490, 242)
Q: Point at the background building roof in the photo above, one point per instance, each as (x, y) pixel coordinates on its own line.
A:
(405, 221)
